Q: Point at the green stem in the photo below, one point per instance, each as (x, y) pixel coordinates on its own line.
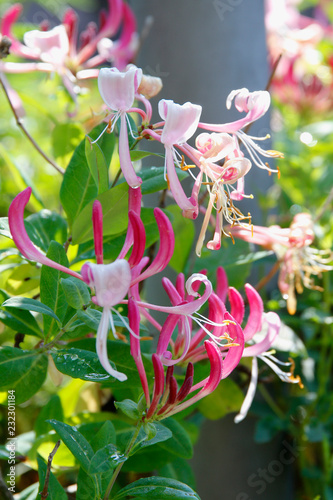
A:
(271, 403)
(118, 469)
(61, 332)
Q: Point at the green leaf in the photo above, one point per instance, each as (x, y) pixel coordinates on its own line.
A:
(105, 435)
(78, 187)
(180, 470)
(76, 292)
(65, 138)
(115, 219)
(185, 232)
(153, 179)
(88, 488)
(75, 442)
(159, 488)
(51, 293)
(78, 363)
(139, 155)
(180, 443)
(129, 408)
(46, 226)
(97, 165)
(20, 321)
(29, 305)
(52, 409)
(22, 371)
(143, 440)
(227, 398)
(121, 352)
(55, 490)
(105, 459)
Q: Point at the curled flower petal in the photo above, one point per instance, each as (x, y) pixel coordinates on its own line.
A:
(21, 238)
(274, 323)
(158, 384)
(166, 248)
(221, 284)
(256, 305)
(101, 346)
(139, 239)
(134, 205)
(237, 307)
(9, 18)
(250, 393)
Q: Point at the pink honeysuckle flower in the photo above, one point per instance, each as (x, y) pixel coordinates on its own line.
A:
(118, 91)
(181, 121)
(255, 105)
(58, 48)
(112, 282)
(299, 262)
(235, 336)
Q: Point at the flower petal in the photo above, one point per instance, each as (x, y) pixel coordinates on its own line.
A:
(21, 238)
(101, 346)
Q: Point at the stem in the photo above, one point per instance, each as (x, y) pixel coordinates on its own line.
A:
(271, 403)
(44, 493)
(118, 469)
(61, 332)
(268, 277)
(26, 133)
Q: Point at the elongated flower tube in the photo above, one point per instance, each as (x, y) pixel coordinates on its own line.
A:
(181, 122)
(118, 91)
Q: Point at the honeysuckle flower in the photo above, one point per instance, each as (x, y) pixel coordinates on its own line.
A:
(236, 342)
(181, 121)
(118, 91)
(57, 50)
(299, 262)
(112, 282)
(255, 105)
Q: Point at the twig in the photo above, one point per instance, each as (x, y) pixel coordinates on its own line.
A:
(268, 277)
(44, 493)
(325, 206)
(269, 83)
(26, 133)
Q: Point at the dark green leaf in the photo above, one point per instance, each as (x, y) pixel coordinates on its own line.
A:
(105, 459)
(78, 363)
(22, 371)
(47, 226)
(76, 292)
(105, 435)
(75, 442)
(227, 398)
(115, 219)
(180, 443)
(97, 165)
(29, 305)
(153, 179)
(129, 408)
(159, 488)
(55, 490)
(180, 470)
(139, 155)
(52, 409)
(21, 321)
(162, 434)
(185, 232)
(51, 293)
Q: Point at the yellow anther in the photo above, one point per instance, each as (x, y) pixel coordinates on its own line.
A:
(275, 154)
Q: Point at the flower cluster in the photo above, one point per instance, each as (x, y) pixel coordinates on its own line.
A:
(63, 51)
(217, 154)
(299, 262)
